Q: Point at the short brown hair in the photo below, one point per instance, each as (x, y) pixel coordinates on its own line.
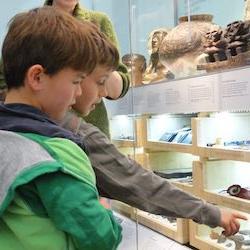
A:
(55, 40)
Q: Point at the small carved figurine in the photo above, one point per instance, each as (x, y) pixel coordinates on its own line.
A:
(237, 35)
(156, 71)
(221, 45)
(215, 45)
(136, 64)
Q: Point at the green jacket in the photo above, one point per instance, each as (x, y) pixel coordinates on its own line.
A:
(48, 199)
(99, 117)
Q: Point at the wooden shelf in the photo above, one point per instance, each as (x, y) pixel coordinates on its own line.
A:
(213, 169)
(223, 153)
(227, 201)
(179, 232)
(122, 208)
(206, 238)
(201, 242)
(167, 146)
(184, 186)
(124, 143)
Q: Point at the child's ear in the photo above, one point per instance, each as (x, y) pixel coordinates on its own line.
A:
(34, 77)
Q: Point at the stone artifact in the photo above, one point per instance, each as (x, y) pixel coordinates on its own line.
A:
(239, 240)
(136, 64)
(245, 232)
(238, 191)
(221, 239)
(155, 70)
(246, 242)
(182, 48)
(229, 244)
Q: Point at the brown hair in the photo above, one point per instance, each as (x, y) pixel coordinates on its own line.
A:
(55, 40)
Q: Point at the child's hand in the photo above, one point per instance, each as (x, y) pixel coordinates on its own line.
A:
(105, 203)
(229, 221)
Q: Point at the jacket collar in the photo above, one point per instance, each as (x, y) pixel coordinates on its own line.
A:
(23, 118)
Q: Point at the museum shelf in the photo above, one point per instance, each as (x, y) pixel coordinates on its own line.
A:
(158, 130)
(227, 201)
(214, 158)
(177, 230)
(223, 136)
(188, 187)
(154, 146)
(210, 177)
(163, 158)
(122, 143)
(122, 208)
(213, 178)
(126, 131)
(225, 91)
(206, 238)
(207, 100)
(225, 154)
(209, 166)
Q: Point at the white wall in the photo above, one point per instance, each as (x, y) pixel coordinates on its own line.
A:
(11, 7)
(148, 15)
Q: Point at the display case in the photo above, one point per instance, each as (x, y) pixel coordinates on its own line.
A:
(186, 116)
(172, 39)
(206, 238)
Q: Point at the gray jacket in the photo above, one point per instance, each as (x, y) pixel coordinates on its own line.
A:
(123, 179)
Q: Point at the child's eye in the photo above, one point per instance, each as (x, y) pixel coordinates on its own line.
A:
(76, 82)
(101, 82)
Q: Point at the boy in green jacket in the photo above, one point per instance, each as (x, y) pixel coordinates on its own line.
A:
(48, 195)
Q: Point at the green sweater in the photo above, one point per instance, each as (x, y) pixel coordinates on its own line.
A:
(99, 117)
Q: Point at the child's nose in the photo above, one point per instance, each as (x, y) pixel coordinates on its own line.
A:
(78, 90)
(103, 91)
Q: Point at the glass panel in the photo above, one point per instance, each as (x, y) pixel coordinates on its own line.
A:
(169, 38)
(123, 128)
(209, 37)
(119, 13)
(178, 50)
(150, 24)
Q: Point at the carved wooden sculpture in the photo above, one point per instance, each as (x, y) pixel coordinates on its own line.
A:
(155, 70)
